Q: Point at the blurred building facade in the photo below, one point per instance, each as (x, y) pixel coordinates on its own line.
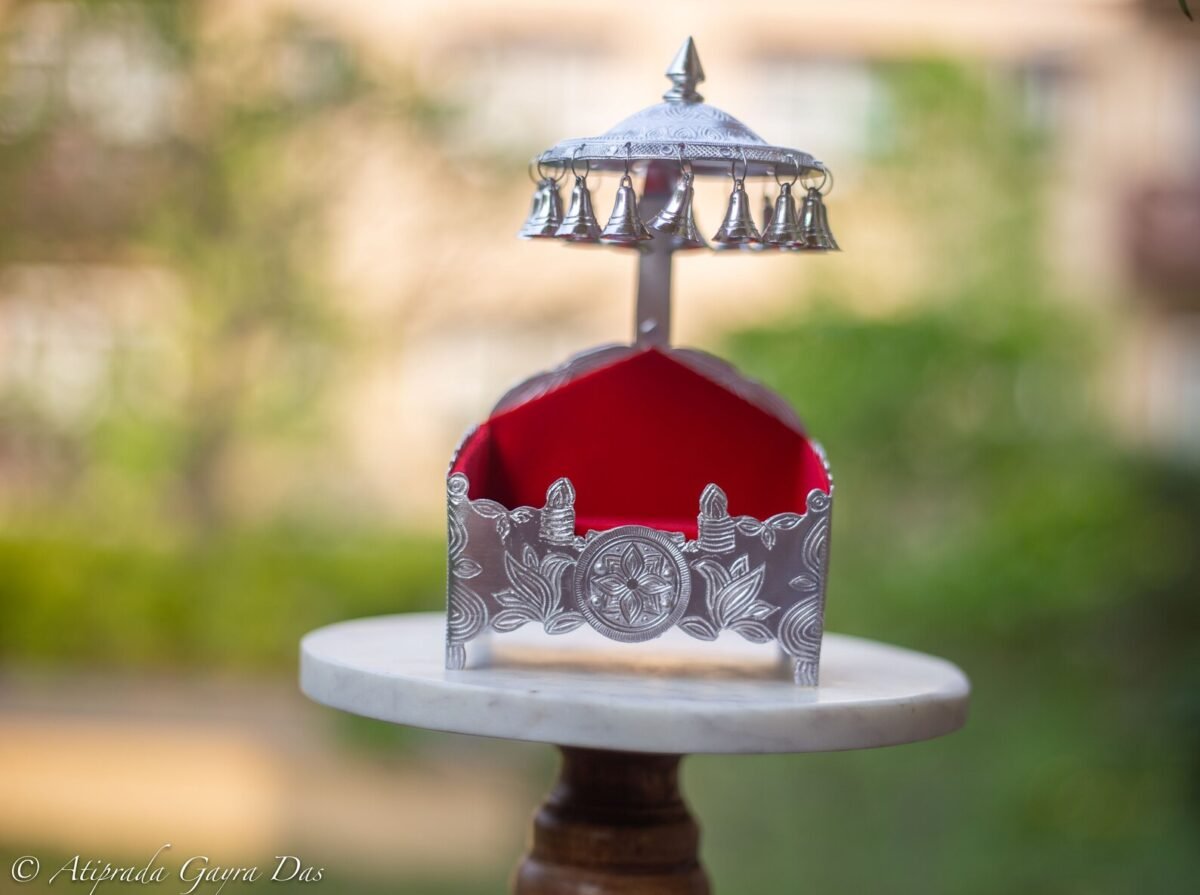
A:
(439, 307)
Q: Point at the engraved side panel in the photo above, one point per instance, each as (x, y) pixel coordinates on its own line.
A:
(761, 579)
(466, 611)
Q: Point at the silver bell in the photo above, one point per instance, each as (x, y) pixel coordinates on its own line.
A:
(784, 230)
(535, 212)
(827, 234)
(625, 227)
(767, 211)
(580, 224)
(670, 218)
(814, 224)
(677, 219)
(738, 227)
(546, 212)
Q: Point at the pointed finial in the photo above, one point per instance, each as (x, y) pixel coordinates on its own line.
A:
(560, 495)
(557, 525)
(713, 502)
(685, 72)
(714, 524)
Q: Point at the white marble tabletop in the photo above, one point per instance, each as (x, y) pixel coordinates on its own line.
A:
(673, 695)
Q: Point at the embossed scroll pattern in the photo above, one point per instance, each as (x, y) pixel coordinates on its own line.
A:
(761, 579)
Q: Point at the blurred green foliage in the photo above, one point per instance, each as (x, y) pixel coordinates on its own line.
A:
(227, 185)
(240, 600)
(119, 545)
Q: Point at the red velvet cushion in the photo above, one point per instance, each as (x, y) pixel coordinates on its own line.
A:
(639, 439)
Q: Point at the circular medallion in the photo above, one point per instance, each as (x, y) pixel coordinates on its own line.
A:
(632, 583)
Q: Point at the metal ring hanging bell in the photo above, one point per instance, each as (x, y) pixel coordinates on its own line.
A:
(580, 223)
(678, 220)
(545, 213)
(625, 227)
(738, 227)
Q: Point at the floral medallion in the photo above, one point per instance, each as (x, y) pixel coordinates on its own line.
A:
(632, 583)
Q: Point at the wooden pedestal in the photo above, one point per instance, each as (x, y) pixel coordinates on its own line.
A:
(615, 823)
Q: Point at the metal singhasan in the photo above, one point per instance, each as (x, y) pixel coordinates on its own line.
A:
(763, 579)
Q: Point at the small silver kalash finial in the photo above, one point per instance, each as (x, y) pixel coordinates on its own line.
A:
(558, 517)
(685, 72)
(714, 524)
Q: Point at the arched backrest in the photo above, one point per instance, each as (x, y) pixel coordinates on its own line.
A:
(639, 439)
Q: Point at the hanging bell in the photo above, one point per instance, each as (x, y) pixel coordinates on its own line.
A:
(814, 224)
(767, 214)
(580, 223)
(625, 227)
(767, 211)
(784, 230)
(671, 217)
(738, 227)
(535, 212)
(677, 219)
(546, 212)
(827, 234)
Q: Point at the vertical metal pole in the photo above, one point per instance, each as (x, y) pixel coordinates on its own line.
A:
(653, 323)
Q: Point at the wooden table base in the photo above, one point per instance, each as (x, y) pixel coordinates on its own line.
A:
(615, 823)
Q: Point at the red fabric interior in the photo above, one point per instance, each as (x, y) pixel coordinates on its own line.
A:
(639, 439)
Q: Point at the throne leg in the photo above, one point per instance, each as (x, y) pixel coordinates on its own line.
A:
(614, 824)
(806, 674)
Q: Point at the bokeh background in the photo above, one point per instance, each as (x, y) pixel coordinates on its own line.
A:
(258, 273)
